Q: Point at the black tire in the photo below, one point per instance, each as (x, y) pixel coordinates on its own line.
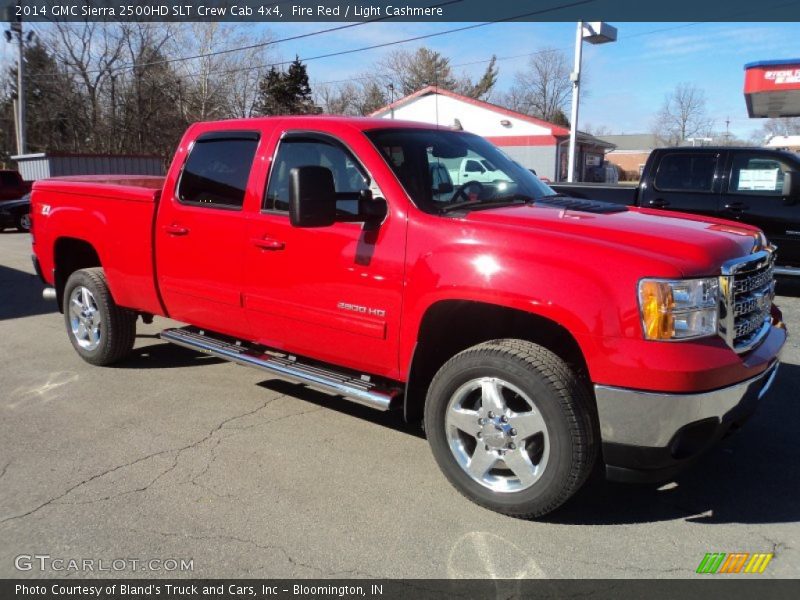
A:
(117, 330)
(563, 402)
(23, 222)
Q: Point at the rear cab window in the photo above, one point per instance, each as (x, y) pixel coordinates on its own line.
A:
(216, 172)
(8, 179)
(687, 172)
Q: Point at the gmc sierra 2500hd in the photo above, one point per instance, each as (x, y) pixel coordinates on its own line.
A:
(531, 333)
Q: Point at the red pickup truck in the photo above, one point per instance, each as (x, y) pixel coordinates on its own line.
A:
(528, 331)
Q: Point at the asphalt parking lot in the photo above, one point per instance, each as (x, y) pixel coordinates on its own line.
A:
(175, 455)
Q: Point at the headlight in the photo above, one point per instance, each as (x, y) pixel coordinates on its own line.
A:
(678, 309)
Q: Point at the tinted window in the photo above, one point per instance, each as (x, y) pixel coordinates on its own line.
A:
(216, 172)
(757, 175)
(686, 172)
(9, 179)
(348, 179)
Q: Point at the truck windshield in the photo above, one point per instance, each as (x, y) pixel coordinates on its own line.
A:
(445, 170)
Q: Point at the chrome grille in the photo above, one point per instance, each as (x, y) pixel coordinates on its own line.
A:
(747, 288)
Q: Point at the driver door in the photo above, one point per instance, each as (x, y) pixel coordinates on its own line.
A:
(330, 293)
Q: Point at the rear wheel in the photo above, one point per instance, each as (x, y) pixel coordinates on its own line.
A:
(100, 331)
(510, 426)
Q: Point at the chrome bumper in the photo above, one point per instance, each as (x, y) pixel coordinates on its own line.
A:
(788, 271)
(652, 420)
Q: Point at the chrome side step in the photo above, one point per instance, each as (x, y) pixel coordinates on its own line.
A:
(358, 389)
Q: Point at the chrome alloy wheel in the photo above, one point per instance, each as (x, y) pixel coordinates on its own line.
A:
(25, 221)
(84, 318)
(497, 435)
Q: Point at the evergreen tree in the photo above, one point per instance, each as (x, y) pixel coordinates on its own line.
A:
(373, 98)
(286, 93)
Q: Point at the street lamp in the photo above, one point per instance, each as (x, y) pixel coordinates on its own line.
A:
(594, 33)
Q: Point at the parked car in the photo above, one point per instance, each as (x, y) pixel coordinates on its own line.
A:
(532, 334)
(757, 186)
(16, 213)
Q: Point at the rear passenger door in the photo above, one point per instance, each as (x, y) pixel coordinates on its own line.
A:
(686, 181)
(754, 195)
(200, 233)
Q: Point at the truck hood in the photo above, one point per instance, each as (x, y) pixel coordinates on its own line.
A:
(695, 245)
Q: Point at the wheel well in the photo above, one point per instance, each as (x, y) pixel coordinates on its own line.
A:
(70, 255)
(451, 326)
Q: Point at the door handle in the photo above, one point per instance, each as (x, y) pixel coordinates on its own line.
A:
(266, 243)
(658, 203)
(736, 207)
(175, 229)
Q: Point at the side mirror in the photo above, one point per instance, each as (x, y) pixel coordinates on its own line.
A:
(371, 210)
(791, 187)
(312, 197)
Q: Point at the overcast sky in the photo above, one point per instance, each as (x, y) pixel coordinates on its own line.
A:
(625, 82)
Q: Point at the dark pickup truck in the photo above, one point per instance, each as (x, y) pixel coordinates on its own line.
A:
(757, 186)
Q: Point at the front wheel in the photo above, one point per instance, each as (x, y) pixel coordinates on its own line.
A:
(23, 222)
(510, 425)
(100, 331)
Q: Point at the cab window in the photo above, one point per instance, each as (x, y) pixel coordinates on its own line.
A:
(757, 175)
(686, 172)
(215, 174)
(348, 177)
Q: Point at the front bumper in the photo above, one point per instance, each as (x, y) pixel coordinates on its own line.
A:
(649, 436)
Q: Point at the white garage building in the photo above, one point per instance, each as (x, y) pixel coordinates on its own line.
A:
(534, 143)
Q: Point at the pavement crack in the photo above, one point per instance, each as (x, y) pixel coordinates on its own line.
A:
(241, 540)
(5, 468)
(178, 451)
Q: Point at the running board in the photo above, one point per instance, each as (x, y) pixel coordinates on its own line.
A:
(359, 389)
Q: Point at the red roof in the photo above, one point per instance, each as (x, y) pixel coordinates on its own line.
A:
(556, 130)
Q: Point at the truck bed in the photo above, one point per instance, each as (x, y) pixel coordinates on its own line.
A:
(141, 188)
(618, 194)
(114, 213)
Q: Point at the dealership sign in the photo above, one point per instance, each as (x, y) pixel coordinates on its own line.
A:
(772, 88)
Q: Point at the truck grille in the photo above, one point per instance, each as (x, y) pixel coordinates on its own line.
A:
(747, 288)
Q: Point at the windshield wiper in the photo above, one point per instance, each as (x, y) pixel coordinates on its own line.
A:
(557, 196)
(493, 203)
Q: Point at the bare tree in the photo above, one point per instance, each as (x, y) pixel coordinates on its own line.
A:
(226, 84)
(411, 71)
(596, 130)
(90, 51)
(543, 89)
(773, 127)
(359, 97)
(682, 115)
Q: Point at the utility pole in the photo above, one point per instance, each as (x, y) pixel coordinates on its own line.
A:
(727, 131)
(16, 31)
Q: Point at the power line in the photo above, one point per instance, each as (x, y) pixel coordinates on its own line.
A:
(407, 40)
(516, 56)
(300, 36)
